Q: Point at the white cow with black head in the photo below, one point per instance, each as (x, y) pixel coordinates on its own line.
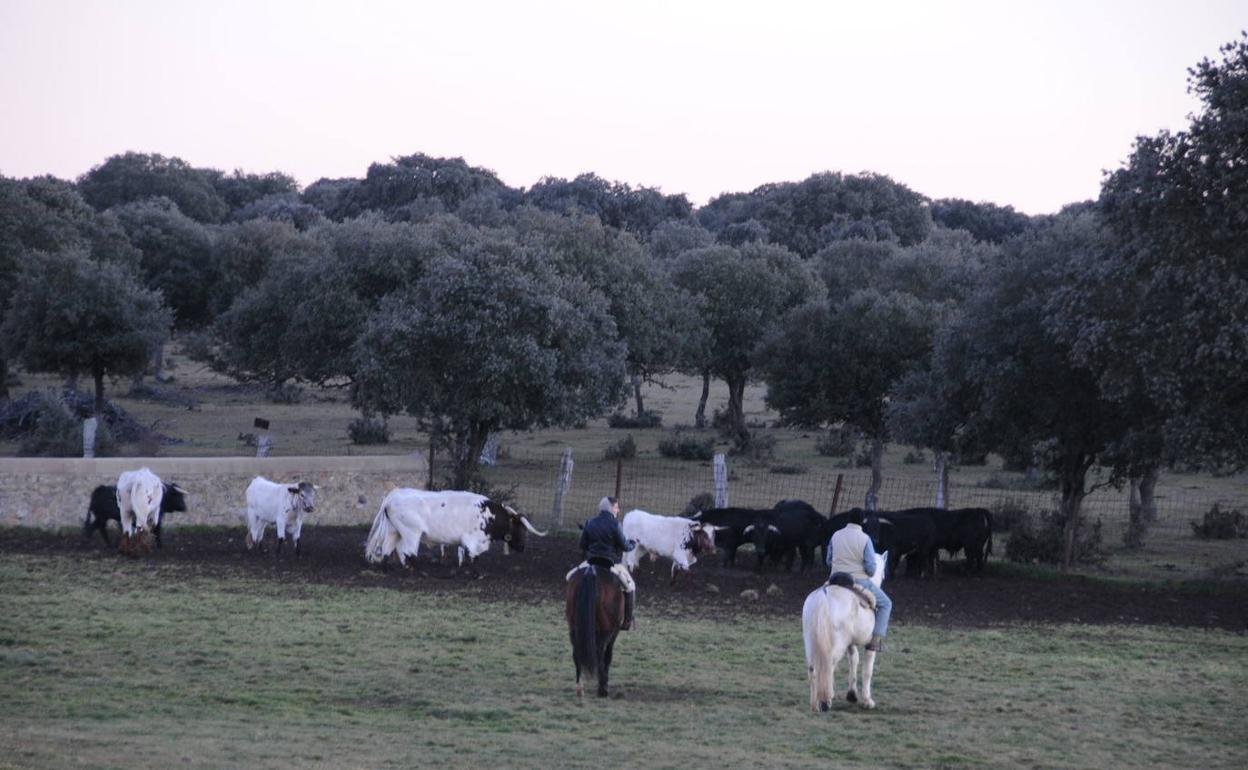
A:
(283, 505)
(673, 537)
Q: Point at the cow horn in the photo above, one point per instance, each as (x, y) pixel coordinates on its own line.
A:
(747, 530)
(530, 527)
(773, 528)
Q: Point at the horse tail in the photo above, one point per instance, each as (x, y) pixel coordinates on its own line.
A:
(585, 622)
(378, 536)
(817, 639)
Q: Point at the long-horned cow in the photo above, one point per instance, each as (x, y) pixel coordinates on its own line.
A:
(673, 537)
(466, 520)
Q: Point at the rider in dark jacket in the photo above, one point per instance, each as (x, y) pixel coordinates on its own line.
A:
(604, 544)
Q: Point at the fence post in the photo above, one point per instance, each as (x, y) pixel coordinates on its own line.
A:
(836, 493)
(88, 437)
(619, 475)
(942, 480)
(563, 485)
(721, 482)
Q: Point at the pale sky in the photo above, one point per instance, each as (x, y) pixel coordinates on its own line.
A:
(1020, 104)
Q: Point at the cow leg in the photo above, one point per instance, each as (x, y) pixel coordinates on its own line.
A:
(296, 532)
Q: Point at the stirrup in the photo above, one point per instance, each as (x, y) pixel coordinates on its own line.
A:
(875, 645)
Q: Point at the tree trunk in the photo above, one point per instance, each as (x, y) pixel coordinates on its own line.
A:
(877, 473)
(1141, 507)
(699, 419)
(941, 466)
(1074, 488)
(469, 455)
(4, 379)
(99, 392)
(636, 379)
(736, 408)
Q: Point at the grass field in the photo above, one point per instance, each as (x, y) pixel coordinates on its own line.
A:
(116, 663)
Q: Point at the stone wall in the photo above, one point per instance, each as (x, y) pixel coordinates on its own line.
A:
(53, 492)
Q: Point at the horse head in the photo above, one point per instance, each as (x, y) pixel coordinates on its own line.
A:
(877, 577)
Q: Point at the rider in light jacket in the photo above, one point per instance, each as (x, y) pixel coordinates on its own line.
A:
(850, 551)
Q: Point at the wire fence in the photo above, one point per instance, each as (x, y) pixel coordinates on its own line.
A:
(667, 486)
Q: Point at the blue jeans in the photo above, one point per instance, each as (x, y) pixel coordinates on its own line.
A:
(883, 606)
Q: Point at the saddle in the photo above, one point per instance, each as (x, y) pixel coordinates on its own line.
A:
(843, 580)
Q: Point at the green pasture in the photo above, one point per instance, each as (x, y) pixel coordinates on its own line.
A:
(121, 664)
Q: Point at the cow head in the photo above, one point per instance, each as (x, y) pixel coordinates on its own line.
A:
(174, 499)
(303, 496)
(759, 532)
(701, 539)
(502, 522)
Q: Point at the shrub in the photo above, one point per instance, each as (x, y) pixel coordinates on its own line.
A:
(754, 447)
(914, 457)
(682, 447)
(647, 419)
(1221, 525)
(1005, 513)
(366, 430)
(788, 470)
(838, 442)
(972, 459)
(700, 502)
(624, 449)
(1039, 538)
(54, 430)
(998, 480)
(286, 393)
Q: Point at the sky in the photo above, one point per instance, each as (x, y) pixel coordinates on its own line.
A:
(1016, 103)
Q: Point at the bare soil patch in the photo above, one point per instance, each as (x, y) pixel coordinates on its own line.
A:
(334, 556)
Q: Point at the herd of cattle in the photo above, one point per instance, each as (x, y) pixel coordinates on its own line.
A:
(470, 522)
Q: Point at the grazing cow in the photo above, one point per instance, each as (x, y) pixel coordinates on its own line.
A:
(792, 527)
(834, 620)
(138, 504)
(466, 520)
(282, 505)
(673, 537)
(103, 508)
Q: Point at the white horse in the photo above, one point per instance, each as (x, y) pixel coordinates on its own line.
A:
(833, 621)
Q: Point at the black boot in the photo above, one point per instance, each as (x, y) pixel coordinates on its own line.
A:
(629, 600)
(876, 644)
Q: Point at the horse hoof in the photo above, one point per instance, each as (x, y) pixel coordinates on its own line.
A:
(824, 706)
(602, 693)
(851, 696)
(868, 704)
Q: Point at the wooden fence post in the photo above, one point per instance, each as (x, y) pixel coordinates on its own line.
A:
(721, 482)
(836, 494)
(619, 475)
(563, 485)
(89, 426)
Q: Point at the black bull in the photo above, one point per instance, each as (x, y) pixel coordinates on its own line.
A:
(921, 533)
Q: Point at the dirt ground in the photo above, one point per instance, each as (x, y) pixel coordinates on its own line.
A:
(334, 556)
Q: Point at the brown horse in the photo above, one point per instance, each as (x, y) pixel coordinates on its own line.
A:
(594, 609)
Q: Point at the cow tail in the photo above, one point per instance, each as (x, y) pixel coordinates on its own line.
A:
(585, 623)
(374, 549)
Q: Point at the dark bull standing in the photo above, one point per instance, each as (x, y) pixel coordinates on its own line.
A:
(103, 508)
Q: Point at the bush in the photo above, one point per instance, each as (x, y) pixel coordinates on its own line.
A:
(998, 480)
(838, 442)
(972, 459)
(286, 393)
(1221, 525)
(702, 501)
(914, 457)
(366, 430)
(54, 430)
(1039, 538)
(788, 470)
(754, 447)
(624, 449)
(1006, 513)
(682, 447)
(648, 419)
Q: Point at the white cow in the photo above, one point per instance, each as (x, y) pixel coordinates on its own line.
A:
(466, 520)
(282, 505)
(138, 500)
(673, 537)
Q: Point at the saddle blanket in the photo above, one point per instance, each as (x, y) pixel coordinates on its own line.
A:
(842, 580)
(619, 570)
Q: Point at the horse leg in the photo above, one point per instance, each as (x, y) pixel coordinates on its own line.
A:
(852, 695)
(868, 669)
(605, 667)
